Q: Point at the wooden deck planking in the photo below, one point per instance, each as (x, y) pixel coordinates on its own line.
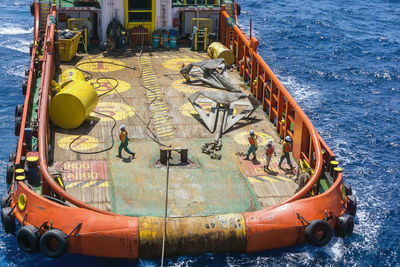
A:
(174, 94)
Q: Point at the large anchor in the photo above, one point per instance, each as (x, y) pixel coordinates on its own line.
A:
(221, 117)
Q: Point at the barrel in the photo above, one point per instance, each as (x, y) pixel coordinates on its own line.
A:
(172, 41)
(218, 50)
(156, 40)
(164, 41)
(73, 104)
(70, 75)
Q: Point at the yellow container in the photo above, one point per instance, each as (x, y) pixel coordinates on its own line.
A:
(70, 75)
(218, 50)
(67, 47)
(73, 104)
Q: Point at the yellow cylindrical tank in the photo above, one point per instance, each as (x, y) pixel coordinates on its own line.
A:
(70, 75)
(73, 104)
(218, 50)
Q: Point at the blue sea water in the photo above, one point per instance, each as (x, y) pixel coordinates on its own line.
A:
(340, 60)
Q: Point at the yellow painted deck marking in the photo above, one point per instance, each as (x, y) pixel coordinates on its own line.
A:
(284, 178)
(241, 138)
(88, 184)
(158, 108)
(85, 142)
(101, 64)
(105, 184)
(267, 178)
(176, 63)
(73, 184)
(104, 85)
(118, 111)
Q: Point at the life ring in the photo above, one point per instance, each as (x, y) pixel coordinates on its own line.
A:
(318, 233)
(5, 200)
(351, 205)
(344, 226)
(28, 239)
(8, 220)
(53, 249)
(9, 172)
(19, 109)
(17, 125)
(24, 87)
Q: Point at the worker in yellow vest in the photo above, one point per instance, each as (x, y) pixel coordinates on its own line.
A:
(286, 149)
(123, 136)
(269, 151)
(253, 145)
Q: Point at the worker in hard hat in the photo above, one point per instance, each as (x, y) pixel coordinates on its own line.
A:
(253, 145)
(286, 149)
(123, 136)
(269, 151)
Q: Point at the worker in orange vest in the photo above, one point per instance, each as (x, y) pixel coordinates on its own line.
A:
(269, 150)
(286, 149)
(253, 145)
(123, 136)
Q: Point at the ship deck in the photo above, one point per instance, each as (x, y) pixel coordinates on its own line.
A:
(136, 186)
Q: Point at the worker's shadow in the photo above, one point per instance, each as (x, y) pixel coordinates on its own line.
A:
(127, 160)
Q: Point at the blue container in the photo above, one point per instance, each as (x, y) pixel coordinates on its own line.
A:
(173, 32)
(172, 42)
(156, 40)
(164, 40)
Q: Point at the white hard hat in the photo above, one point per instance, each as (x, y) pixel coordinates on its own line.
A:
(251, 132)
(288, 139)
(122, 127)
(270, 142)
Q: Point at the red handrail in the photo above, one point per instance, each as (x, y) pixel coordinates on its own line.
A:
(256, 69)
(29, 86)
(48, 74)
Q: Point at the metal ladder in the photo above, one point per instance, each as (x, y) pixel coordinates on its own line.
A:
(44, 11)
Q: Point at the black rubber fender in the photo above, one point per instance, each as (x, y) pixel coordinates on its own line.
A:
(28, 239)
(19, 110)
(30, 49)
(238, 9)
(32, 6)
(24, 87)
(27, 72)
(47, 245)
(5, 200)
(12, 157)
(314, 229)
(10, 172)
(344, 226)
(8, 220)
(352, 205)
(347, 189)
(17, 125)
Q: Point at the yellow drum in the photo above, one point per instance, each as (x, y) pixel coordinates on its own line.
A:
(73, 104)
(218, 50)
(70, 75)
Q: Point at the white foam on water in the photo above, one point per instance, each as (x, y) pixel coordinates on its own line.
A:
(12, 30)
(20, 45)
(301, 92)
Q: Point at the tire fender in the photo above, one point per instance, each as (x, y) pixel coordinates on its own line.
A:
(5, 200)
(28, 239)
(318, 233)
(344, 226)
(352, 205)
(10, 172)
(8, 220)
(46, 243)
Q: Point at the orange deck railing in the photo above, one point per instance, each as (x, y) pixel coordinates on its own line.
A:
(280, 107)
